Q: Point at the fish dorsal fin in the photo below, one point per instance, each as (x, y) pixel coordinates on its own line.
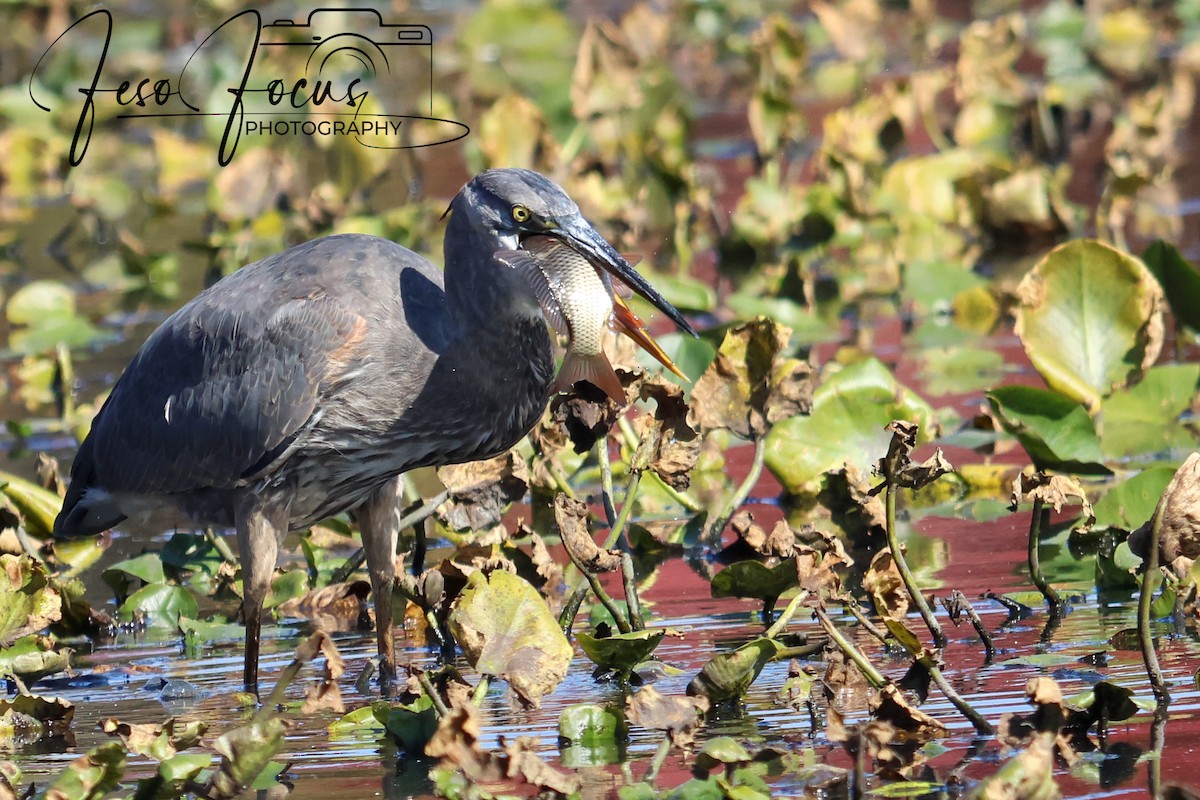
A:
(527, 267)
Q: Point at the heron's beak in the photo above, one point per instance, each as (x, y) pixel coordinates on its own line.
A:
(585, 240)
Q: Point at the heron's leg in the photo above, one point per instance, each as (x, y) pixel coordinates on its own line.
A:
(261, 524)
(379, 519)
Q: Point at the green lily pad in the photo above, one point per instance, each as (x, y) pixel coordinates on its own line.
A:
(755, 580)
(1055, 431)
(1144, 419)
(245, 752)
(174, 775)
(959, 370)
(160, 605)
(1107, 700)
(125, 576)
(849, 413)
(410, 725)
(33, 658)
(591, 735)
(1179, 280)
(505, 629)
(1131, 503)
(729, 675)
(620, 652)
(908, 789)
(38, 506)
(721, 750)
(1090, 319)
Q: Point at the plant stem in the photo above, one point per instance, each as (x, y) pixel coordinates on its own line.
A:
(606, 481)
(910, 582)
(660, 756)
(632, 601)
(1145, 635)
(714, 530)
(868, 626)
(439, 705)
(782, 621)
(873, 675)
(221, 546)
(566, 617)
(976, 622)
(1040, 513)
(598, 590)
(618, 527)
(481, 690)
(981, 725)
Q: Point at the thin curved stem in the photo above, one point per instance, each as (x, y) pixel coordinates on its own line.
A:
(1145, 635)
(714, 530)
(782, 621)
(910, 582)
(1040, 512)
(869, 671)
(606, 481)
(981, 725)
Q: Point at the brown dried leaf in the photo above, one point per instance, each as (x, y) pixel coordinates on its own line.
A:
(893, 708)
(897, 465)
(1179, 528)
(1053, 490)
(571, 516)
(544, 563)
(455, 743)
(733, 393)
(844, 683)
(818, 568)
(678, 716)
(792, 385)
(886, 587)
(678, 445)
(1029, 776)
(524, 764)
(780, 542)
(482, 490)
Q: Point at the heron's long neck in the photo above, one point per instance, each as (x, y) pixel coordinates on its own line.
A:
(500, 347)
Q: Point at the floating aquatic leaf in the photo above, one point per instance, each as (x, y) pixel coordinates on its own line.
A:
(620, 652)
(34, 657)
(245, 752)
(677, 716)
(159, 741)
(130, 574)
(1130, 503)
(1179, 513)
(591, 735)
(849, 412)
(1028, 776)
(159, 605)
(333, 607)
(174, 775)
(1055, 431)
(506, 629)
(26, 718)
(1090, 319)
(410, 725)
(728, 675)
(755, 580)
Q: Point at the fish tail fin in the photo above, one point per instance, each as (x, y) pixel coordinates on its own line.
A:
(596, 370)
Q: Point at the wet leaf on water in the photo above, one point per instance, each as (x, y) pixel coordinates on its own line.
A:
(1145, 418)
(755, 580)
(410, 725)
(159, 605)
(892, 707)
(679, 717)
(908, 789)
(734, 392)
(1179, 279)
(26, 718)
(245, 751)
(211, 630)
(585, 723)
(480, 491)
(850, 409)
(1130, 503)
(33, 658)
(874, 736)
(796, 691)
(728, 675)
(1090, 319)
(959, 370)
(1055, 431)
(1105, 701)
(158, 741)
(720, 751)
(174, 775)
(28, 603)
(91, 776)
(506, 630)
(620, 652)
(1179, 510)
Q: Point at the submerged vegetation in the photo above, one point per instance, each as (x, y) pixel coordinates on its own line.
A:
(942, 270)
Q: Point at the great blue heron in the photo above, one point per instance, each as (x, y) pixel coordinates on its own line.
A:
(304, 384)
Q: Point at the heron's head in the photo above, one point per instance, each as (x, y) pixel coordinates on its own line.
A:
(509, 205)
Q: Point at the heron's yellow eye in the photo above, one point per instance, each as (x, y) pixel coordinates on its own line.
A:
(521, 213)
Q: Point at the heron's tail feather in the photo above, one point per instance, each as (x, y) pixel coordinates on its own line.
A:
(596, 370)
